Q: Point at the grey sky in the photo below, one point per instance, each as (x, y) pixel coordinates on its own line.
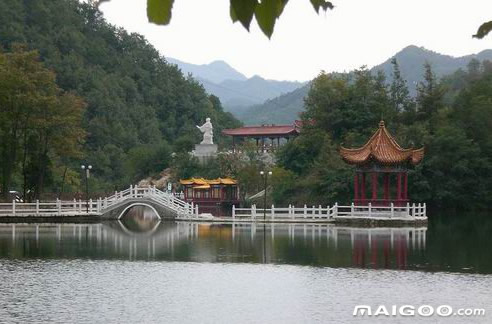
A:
(355, 33)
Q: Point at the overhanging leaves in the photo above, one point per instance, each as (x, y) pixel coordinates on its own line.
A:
(159, 11)
(266, 13)
(483, 30)
(243, 10)
(323, 4)
(281, 7)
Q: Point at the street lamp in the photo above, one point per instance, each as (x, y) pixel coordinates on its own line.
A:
(265, 177)
(87, 175)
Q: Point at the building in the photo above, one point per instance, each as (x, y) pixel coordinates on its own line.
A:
(381, 157)
(214, 196)
(268, 137)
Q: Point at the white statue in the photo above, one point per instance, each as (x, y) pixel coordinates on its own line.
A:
(208, 133)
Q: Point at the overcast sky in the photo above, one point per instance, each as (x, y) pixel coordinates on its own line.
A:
(355, 33)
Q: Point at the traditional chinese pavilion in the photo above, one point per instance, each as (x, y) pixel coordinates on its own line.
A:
(381, 157)
(211, 195)
(268, 137)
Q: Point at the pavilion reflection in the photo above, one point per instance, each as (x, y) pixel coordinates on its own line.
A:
(148, 238)
(383, 248)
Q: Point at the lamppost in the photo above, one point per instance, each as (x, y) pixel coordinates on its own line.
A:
(265, 177)
(87, 175)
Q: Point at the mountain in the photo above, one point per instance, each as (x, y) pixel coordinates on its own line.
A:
(281, 110)
(216, 72)
(234, 90)
(411, 60)
(235, 94)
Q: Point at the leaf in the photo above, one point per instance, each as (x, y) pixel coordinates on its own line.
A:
(243, 10)
(159, 11)
(266, 13)
(483, 30)
(321, 3)
(232, 13)
(281, 7)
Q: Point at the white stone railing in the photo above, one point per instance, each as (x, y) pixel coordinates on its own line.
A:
(186, 210)
(54, 208)
(97, 207)
(320, 213)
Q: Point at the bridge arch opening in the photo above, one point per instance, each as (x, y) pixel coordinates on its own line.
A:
(132, 232)
(141, 204)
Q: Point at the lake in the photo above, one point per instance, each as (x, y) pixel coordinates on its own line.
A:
(141, 270)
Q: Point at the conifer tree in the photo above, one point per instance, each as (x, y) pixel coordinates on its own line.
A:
(399, 94)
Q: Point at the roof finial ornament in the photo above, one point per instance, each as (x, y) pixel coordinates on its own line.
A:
(381, 124)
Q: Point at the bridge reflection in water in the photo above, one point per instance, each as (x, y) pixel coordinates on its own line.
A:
(141, 236)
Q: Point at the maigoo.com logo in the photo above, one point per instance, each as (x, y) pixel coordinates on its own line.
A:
(411, 310)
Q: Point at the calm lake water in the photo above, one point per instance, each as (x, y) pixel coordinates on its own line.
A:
(141, 270)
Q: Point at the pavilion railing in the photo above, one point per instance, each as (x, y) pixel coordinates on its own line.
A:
(381, 202)
(327, 213)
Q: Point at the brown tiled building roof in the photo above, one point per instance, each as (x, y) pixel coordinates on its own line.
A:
(382, 148)
(260, 130)
(265, 130)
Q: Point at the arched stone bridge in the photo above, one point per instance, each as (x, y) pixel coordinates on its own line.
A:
(165, 205)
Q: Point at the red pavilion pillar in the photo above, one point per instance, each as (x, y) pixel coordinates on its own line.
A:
(386, 186)
(405, 185)
(398, 187)
(374, 186)
(356, 187)
(363, 187)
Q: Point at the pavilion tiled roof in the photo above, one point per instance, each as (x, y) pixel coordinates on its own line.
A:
(201, 183)
(382, 148)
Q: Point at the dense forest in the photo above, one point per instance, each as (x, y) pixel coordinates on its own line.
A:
(451, 118)
(132, 109)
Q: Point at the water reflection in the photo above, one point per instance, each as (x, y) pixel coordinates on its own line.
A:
(139, 220)
(144, 237)
(150, 239)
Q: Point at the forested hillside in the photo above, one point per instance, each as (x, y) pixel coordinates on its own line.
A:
(280, 110)
(139, 109)
(451, 119)
(411, 60)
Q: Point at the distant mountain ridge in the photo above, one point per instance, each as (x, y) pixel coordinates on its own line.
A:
(411, 60)
(281, 110)
(216, 71)
(235, 90)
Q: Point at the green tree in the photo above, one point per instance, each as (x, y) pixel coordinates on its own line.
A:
(430, 95)
(147, 160)
(134, 97)
(38, 122)
(400, 96)
(455, 133)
